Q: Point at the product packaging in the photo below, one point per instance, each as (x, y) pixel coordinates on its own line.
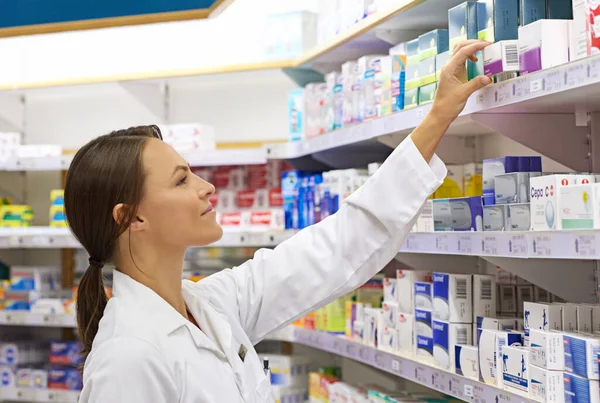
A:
(516, 375)
(467, 213)
(405, 325)
(296, 114)
(484, 296)
(466, 361)
(405, 284)
(547, 349)
(519, 217)
(542, 317)
(581, 355)
(423, 295)
(369, 67)
(398, 79)
(412, 52)
(580, 390)
(495, 217)
(445, 337)
(498, 20)
(531, 11)
(452, 298)
(433, 43)
(543, 44)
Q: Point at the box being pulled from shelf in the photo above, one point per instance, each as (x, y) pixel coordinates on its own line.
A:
(501, 59)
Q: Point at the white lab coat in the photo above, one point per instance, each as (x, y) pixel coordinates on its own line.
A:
(146, 352)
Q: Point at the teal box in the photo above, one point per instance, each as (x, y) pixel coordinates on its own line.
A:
(411, 98)
(433, 43)
(533, 10)
(477, 68)
(412, 52)
(498, 20)
(427, 71)
(296, 114)
(462, 22)
(440, 62)
(427, 94)
(398, 79)
(559, 10)
(412, 77)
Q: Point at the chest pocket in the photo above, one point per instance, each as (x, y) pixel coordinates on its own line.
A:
(256, 385)
(264, 391)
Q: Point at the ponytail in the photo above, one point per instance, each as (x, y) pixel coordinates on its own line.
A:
(91, 301)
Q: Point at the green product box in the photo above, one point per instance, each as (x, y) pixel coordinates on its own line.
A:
(412, 77)
(433, 43)
(427, 94)
(440, 62)
(411, 98)
(427, 71)
(412, 52)
(462, 22)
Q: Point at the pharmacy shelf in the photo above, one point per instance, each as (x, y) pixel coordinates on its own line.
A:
(47, 237)
(408, 368)
(544, 103)
(242, 156)
(25, 318)
(38, 395)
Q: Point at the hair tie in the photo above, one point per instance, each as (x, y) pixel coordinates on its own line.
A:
(95, 263)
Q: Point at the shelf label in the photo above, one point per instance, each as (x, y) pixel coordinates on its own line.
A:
(553, 81)
(412, 243)
(442, 243)
(421, 375)
(575, 75)
(455, 386)
(363, 354)
(397, 368)
(593, 68)
(351, 350)
(585, 245)
(536, 85)
(468, 391)
(421, 111)
(440, 381)
(465, 244)
(541, 246)
(489, 245)
(379, 360)
(520, 87)
(517, 245)
(502, 93)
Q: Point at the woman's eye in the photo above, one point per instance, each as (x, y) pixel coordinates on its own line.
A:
(182, 181)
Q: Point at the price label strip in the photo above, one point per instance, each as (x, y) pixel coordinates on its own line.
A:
(586, 245)
(552, 245)
(489, 245)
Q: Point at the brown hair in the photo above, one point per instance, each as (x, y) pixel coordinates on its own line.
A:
(105, 172)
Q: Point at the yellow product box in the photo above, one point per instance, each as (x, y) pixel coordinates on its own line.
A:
(57, 197)
(16, 215)
(335, 316)
(348, 316)
(57, 216)
(473, 179)
(453, 183)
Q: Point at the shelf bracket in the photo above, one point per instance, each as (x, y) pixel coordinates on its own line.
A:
(555, 136)
(571, 280)
(12, 112)
(153, 96)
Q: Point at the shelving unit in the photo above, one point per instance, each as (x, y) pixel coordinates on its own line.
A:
(38, 395)
(26, 318)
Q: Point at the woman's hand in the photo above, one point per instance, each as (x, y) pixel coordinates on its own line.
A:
(453, 88)
(451, 97)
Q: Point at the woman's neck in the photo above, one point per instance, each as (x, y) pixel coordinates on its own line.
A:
(160, 271)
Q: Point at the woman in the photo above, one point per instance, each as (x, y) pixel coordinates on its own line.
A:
(131, 200)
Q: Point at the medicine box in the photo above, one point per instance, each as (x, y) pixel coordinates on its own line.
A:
(427, 71)
(462, 22)
(389, 289)
(495, 217)
(542, 317)
(289, 371)
(581, 355)
(467, 213)
(424, 348)
(412, 77)
(389, 314)
(568, 317)
(66, 353)
(65, 378)
(412, 52)
(580, 31)
(559, 10)
(503, 324)
(442, 215)
(543, 44)
(547, 349)
(531, 11)
(507, 295)
(519, 217)
(440, 62)
(501, 57)
(484, 295)
(388, 340)
(512, 188)
(491, 344)
(433, 43)
(369, 67)
(423, 323)
(491, 168)
(358, 331)
(580, 390)
(423, 295)
(7, 377)
(584, 318)
(596, 318)
(515, 366)
(466, 361)
(445, 337)
(453, 297)
(372, 316)
(405, 284)
(296, 114)
(398, 80)
(546, 385)
(427, 93)
(524, 294)
(405, 325)
(411, 98)
(546, 199)
(39, 378)
(498, 20)
(383, 86)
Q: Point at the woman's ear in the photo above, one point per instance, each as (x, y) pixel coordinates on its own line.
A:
(119, 213)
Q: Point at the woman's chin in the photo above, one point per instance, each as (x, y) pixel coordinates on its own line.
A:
(209, 235)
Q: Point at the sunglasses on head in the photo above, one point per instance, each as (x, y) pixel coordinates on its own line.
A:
(157, 132)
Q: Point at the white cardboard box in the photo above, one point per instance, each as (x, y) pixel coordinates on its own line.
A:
(406, 338)
(542, 317)
(547, 349)
(405, 282)
(515, 373)
(546, 386)
(445, 337)
(467, 361)
(453, 297)
(484, 296)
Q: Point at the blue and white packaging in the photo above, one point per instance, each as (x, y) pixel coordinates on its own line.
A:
(372, 317)
(424, 348)
(541, 317)
(481, 322)
(368, 67)
(453, 297)
(484, 296)
(405, 287)
(442, 215)
(547, 349)
(296, 114)
(516, 376)
(66, 353)
(581, 354)
(580, 390)
(491, 168)
(423, 295)
(467, 213)
(423, 323)
(466, 360)
(7, 377)
(389, 314)
(495, 217)
(291, 182)
(512, 188)
(388, 340)
(433, 43)
(65, 378)
(445, 337)
(491, 344)
(389, 289)
(546, 385)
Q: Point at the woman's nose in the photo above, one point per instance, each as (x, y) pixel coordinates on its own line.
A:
(206, 189)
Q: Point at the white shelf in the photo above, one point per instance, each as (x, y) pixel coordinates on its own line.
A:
(47, 237)
(425, 374)
(25, 318)
(521, 245)
(39, 395)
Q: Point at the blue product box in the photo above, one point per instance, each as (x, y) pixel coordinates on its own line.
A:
(424, 346)
(498, 20)
(467, 213)
(398, 79)
(296, 114)
(313, 204)
(531, 11)
(581, 354)
(291, 182)
(559, 10)
(462, 22)
(433, 43)
(491, 168)
(580, 390)
(412, 52)
(65, 378)
(524, 164)
(66, 353)
(423, 295)
(535, 164)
